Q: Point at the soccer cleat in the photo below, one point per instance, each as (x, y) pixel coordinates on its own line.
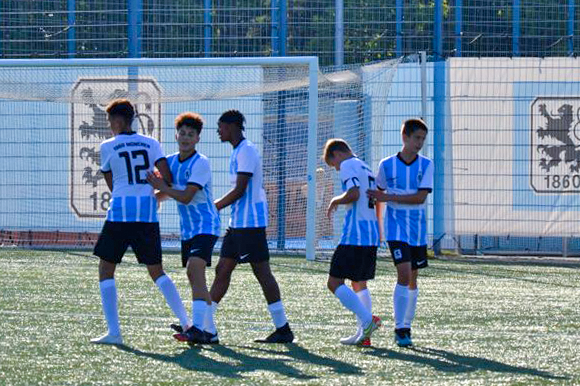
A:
(281, 335)
(366, 342)
(108, 339)
(408, 333)
(402, 338)
(352, 340)
(370, 328)
(176, 327)
(192, 335)
(212, 338)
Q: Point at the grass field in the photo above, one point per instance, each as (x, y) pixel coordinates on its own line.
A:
(477, 323)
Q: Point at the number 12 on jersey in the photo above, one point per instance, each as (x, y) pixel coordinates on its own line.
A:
(136, 169)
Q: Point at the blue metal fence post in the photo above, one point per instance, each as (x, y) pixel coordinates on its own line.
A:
(399, 28)
(207, 28)
(570, 27)
(134, 27)
(275, 28)
(439, 92)
(283, 26)
(279, 31)
(516, 27)
(458, 27)
(71, 43)
(338, 32)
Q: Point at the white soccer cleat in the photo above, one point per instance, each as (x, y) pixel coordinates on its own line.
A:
(108, 339)
(352, 340)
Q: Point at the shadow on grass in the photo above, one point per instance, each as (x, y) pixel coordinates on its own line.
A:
(447, 361)
(193, 359)
(298, 353)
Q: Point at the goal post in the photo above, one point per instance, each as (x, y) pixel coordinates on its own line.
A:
(55, 197)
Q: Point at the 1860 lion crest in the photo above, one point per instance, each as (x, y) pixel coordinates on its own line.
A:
(555, 157)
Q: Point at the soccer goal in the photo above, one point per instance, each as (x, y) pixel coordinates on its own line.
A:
(53, 194)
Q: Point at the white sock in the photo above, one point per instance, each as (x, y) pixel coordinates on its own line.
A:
(209, 322)
(351, 302)
(411, 307)
(109, 302)
(167, 288)
(198, 311)
(365, 298)
(400, 301)
(278, 315)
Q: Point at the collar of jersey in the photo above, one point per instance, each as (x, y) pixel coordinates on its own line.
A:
(239, 143)
(403, 161)
(127, 133)
(182, 161)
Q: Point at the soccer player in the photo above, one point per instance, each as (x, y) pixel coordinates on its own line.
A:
(245, 239)
(356, 255)
(199, 219)
(405, 179)
(132, 215)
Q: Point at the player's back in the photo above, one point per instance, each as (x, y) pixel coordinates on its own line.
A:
(360, 223)
(129, 157)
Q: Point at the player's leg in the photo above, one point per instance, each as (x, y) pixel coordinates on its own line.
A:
(351, 302)
(110, 248)
(412, 302)
(263, 273)
(402, 258)
(196, 256)
(146, 243)
(363, 293)
(169, 292)
(419, 261)
(221, 283)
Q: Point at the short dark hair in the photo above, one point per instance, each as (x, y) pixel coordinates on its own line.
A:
(189, 119)
(332, 145)
(412, 125)
(122, 107)
(233, 116)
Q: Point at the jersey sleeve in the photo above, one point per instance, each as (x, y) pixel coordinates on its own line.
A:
(427, 180)
(348, 176)
(381, 177)
(200, 174)
(157, 152)
(105, 159)
(247, 161)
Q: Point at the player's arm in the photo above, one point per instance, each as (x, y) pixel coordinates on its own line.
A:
(413, 199)
(109, 179)
(350, 196)
(236, 193)
(163, 167)
(183, 196)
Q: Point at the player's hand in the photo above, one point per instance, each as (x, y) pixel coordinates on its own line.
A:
(331, 208)
(156, 181)
(377, 195)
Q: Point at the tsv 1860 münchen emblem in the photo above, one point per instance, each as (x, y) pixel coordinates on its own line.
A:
(555, 145)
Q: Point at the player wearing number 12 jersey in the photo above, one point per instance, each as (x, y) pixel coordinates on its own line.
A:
(356, 254)
(131, 219)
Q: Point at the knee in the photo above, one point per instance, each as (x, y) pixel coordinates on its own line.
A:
(222, 271)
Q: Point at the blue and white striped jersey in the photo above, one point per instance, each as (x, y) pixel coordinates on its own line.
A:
(129, 156)
(361, 226)
(251, 210)
(405, 222)
(200, 215)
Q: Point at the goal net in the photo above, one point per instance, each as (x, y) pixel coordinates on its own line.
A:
(53, 194)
